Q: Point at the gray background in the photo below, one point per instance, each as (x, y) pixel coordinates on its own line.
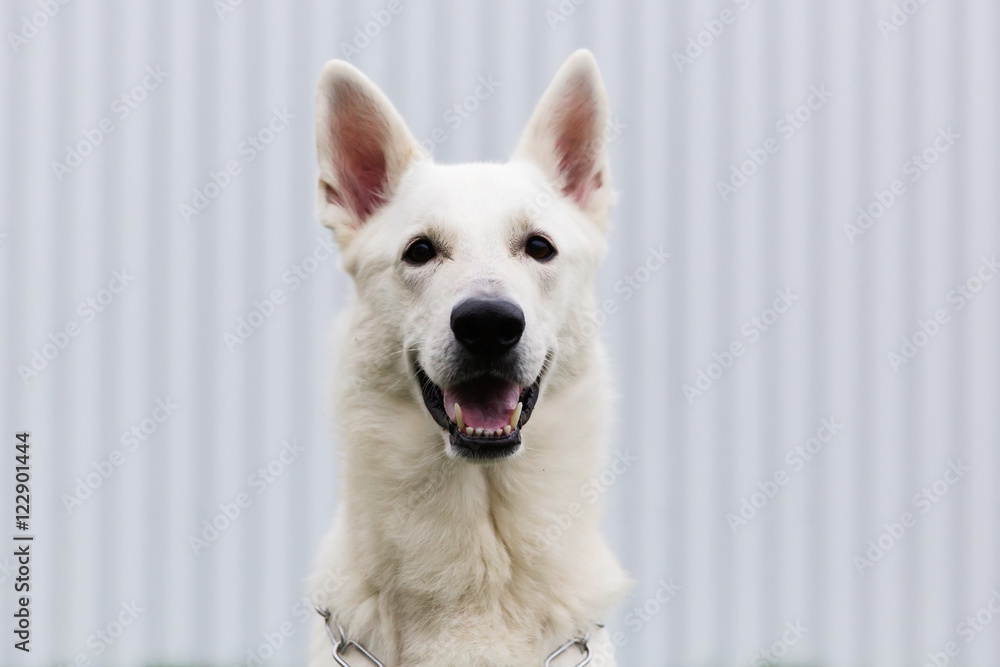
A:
(163, 336)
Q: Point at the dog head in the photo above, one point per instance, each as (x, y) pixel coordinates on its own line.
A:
(478, 276)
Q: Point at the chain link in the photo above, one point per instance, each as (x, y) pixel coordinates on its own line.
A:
(341, 644)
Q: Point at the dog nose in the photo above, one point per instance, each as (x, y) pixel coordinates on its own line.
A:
(487, 327)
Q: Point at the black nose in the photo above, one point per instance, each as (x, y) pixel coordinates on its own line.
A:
(487, 327)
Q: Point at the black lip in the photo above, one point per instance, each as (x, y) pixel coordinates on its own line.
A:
(471, 446)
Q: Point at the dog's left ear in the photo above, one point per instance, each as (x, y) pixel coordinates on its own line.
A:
(566, 136)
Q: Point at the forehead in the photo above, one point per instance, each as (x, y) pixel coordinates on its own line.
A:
(479, 207)
(472, 196)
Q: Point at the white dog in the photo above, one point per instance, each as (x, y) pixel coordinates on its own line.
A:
(472, 391)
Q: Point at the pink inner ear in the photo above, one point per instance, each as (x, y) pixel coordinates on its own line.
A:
(577, 134)
(360, 136)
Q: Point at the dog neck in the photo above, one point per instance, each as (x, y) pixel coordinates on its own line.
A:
(428, 543)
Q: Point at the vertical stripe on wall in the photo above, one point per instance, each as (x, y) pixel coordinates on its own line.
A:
(893, 331)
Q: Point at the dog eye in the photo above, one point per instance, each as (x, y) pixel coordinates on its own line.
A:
(539, 247)
(420, 251)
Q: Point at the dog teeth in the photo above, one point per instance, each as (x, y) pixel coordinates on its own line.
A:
(482, 432)
(516, 416)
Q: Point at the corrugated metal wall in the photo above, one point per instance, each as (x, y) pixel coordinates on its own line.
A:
(843, 99)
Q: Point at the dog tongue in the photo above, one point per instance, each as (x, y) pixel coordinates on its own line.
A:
(487, 403)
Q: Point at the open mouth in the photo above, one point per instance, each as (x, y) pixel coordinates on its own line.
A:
(483, 415)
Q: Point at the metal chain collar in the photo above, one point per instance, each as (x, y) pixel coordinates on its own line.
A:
(341, 644)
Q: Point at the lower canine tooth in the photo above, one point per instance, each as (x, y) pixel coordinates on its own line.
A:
(458, 417)
(516, 416)
(507, 429)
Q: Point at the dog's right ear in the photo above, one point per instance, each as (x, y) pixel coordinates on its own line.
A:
(566, 136)
(363, 147)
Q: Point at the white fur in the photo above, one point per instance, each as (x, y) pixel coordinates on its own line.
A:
(436, 560)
